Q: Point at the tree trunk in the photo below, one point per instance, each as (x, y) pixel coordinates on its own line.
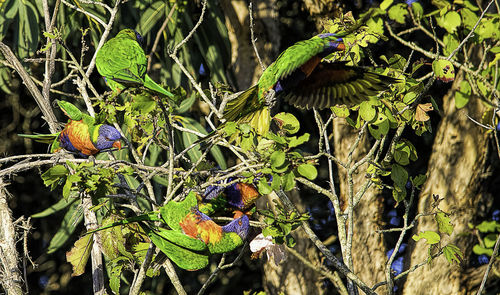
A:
(368, 213)
(10, 274)
(456, 174)
(266, 32)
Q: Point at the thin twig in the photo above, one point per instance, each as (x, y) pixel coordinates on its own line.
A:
(158, 35)
(250, 13)
(200, 20)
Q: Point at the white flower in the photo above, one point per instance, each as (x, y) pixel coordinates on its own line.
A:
(260, 244)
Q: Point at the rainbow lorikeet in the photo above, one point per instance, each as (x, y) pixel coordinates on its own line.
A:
(122, 62)
(186, 217)
(239, 195)
(80, 134)
(301, 78)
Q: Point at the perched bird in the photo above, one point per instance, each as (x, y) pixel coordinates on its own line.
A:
(219, 239)
(80, 134)
(122, 62)
(239, 195)
(301, 78)
(186, 217)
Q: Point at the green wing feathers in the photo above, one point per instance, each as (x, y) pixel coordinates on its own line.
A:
(334, 83)
(70, 110)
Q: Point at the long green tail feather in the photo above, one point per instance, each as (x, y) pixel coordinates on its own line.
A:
(150, 84)
(43, 138)
(242, 105)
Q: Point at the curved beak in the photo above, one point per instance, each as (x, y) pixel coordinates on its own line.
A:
(117, 144)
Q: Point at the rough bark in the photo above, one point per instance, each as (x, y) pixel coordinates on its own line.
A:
(243, 60)
(10, 274)
(292, 276)
(368, 213)
(455, 173)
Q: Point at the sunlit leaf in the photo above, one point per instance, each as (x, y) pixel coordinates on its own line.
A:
(79, 254)
(430, 237)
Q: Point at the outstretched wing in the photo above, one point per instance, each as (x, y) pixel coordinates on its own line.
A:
(335, 83)
(305, 55)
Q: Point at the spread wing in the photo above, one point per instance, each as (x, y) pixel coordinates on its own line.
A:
(335, 83)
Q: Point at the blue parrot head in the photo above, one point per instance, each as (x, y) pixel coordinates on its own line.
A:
(239, 225)
(139, 38)
(108, 137)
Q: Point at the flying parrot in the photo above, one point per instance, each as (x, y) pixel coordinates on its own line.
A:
(301, 78)
(80, 134)
(122, 62)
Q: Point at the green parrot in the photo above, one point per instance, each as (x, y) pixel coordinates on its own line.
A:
(122, 63)
(80, 134)
(301, 78)
(192, 236)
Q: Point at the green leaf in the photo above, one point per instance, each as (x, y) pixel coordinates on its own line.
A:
(115, 278)
(451, 21)
(488, 28)
(398, 12)
(488, 226)
(418, 10)
(61, 204)
(385, 4)
(294, 141)
(28, 32)
(444, 223)
(308, 171)
(453, 253)
(469, 18)
(276, 183)
(53, 175)
(399, 175)
(277, 159)
(367, 111)
(380, 127)
(451, 41)
(288, 122)
(462, 96)
(431, 237)
(230, 128)
(489, 240)
(264, 187)
(69, 183)
(479, 250)
(70, 222)
(151, 17)
(444, 70)
(419, 180)
(79, 254)
(341, 111)
(288, 181)
(143, 103)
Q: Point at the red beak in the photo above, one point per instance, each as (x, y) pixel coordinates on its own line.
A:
(117, 144)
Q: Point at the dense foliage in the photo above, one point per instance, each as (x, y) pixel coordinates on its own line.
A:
(167, 197)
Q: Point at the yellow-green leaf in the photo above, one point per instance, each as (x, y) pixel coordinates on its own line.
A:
(79, 254)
